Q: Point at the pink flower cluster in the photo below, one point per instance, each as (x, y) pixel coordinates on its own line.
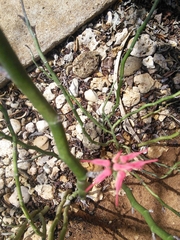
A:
(120, 164)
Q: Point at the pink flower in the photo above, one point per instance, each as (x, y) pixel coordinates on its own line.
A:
(119, 164)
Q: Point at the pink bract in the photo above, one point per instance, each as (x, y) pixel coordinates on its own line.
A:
(119, 164)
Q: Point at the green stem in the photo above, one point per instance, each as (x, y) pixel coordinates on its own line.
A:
(23, 227)
(53, 76)
(27, 146)
(16, 174)
(58, 217)
(161, 100)
(156, 196)
(65, 223)
(139, 31)
(162, 138)
(19, 76)
(145, 213)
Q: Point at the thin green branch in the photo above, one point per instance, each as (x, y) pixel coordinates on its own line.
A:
(139, 31)
(161, 100)
(34, 215)
(53, 76)
(24, 83)
(162, 138)
(58, 216)
(65, 223)
(27, 146)
(16, 174)
(145, 213)
(156, 196)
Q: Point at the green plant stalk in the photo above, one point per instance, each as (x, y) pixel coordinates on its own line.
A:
(53, 76)
(139, 31)
(162, 138)
(43, 224)
(58, 216)
(19, 76)
(174, 167)
(23, 227)
(145, 213)
(156, 196)
(16, 174)
(161, 100)
(65, 223)
(27, 146)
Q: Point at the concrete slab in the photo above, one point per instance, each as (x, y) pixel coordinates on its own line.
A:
(53, 20)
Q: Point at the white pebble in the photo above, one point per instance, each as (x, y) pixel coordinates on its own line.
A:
(90, 95)
(30, 127)
(42, 125)
(73, 89)
(148, 62)
(107, 109)
(144, 82)
(143, 47)
(48, 94)
(1, 184)
(131, 97)
(23, 165)
(9, 171)
(60, 100)
(16, 125)
(14, 197)
(45, 191)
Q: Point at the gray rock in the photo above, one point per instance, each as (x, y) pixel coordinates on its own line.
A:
(144, 46)
(14, 197)
(53, 21)
(132, 65)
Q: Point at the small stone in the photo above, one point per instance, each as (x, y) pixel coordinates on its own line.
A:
(5, 148)
(172, 125)
(54, 172)
(156, 151)
(107, 109)
(132, 65)
(176, 79)
(60, 100)
(45, 191)
(42, 160)
(66, 108)
(42, 126)
(47, 169)
(144, 82)
(148, 62)
(1, 184)
(30, 127)
(9, 171)
(73, 89)
(23, 153)
(42, 178)
(41, 142)
(163, 114)
(88, 38)
(48, 94)
(120, 36)
(160, 60)
(91, 95)
(86, 64)
(23, 165)
(2, 171)
(99, 82)
(131, 97)
(14, 197)
(32, 170)
(16, 125)
(143, 47)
